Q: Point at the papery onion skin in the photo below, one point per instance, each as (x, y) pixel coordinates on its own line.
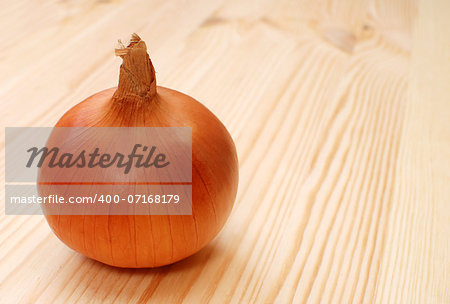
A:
(139, 241)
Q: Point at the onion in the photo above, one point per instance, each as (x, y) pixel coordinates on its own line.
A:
(152, 240)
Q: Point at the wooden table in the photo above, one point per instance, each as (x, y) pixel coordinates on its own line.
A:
(340, 111)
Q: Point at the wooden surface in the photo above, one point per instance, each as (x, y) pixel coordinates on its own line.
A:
(340, 111)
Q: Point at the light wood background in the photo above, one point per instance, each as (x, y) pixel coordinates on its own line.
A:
(340, 111)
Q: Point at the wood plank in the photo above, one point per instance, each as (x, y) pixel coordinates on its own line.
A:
(339, 111)
(415, 264)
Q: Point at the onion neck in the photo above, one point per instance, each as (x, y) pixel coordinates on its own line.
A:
(137, 81)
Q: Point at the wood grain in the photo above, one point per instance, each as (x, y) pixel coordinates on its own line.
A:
(340, 113)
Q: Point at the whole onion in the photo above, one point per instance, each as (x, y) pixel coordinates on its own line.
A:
(151, 240)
